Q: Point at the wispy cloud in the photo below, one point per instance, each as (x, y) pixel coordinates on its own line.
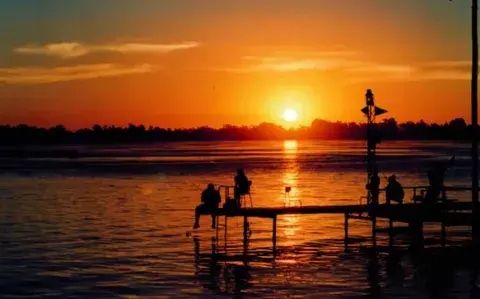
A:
(365, 71)
(291, 62)
(75, 49)
(70, 73)
(366, 68)
(451, 75)
(353, 67)
(289, 66)
(452, 71)
(448, 64)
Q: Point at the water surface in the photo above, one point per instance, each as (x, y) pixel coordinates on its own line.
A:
(117, 223)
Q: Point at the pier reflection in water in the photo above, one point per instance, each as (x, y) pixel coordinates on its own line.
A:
(382, 272)
(220, 273)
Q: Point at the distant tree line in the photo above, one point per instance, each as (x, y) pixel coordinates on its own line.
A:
(387, 129)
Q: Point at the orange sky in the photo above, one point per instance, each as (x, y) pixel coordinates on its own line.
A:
(192, 63)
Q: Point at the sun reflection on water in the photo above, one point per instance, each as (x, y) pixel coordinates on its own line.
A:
(290, 179)
(290, 146)
(291, 169)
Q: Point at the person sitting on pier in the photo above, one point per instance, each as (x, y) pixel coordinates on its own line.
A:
(242, 185)
(394, 190)
(210, 201)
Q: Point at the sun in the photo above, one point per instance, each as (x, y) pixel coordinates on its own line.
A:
(290, 115)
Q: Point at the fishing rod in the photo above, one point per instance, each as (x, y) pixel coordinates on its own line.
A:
(195, 185)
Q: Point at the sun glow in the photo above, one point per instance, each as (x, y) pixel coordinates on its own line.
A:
(290, 115)
(290, 146)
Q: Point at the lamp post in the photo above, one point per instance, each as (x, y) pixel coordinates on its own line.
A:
(371, 112)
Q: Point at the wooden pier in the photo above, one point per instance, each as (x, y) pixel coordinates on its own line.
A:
(447, 213)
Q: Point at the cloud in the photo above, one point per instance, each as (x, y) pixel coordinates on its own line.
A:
(452, 75)
(30, 75)
(291, 65)
(367, 72)
(382, 68)
(63, 50)
(449, 63)
(353, 67)
(431, 71)
(74, 49)
(286, 62)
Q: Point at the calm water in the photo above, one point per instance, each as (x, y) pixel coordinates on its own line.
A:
(117, 223)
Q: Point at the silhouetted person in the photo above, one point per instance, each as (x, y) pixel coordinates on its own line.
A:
(374, 186)
(210, 201)
(242, 185)
(394, 190)
(436, 177)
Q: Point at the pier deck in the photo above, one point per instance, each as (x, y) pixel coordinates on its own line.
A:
(397, 212)
(450, 213)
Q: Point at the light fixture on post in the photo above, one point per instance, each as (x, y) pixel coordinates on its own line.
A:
(371, 112)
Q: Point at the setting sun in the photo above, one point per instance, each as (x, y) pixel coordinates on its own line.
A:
(290, 115)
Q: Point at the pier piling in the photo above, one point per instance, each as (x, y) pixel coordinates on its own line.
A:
(390, 232)
(245, 234)
(346, 229)
(444, 233)
(445, 214)
(274, 233)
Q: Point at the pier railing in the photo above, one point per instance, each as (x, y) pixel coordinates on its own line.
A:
(226, 191)
(418, 193)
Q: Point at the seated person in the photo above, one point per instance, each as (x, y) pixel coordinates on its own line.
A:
(242, 185)
(210, 201)
(394, 190)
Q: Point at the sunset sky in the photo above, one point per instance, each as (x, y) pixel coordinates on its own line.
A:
(183, 63)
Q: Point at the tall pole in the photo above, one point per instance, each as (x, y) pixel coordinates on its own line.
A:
(475, 202)
(371, 111)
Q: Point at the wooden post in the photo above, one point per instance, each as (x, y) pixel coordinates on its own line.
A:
(274, 234)
(390, 232)
(346, 229)
(216, 227)
(374, 230)
(245, 227)
(245, 235)
(444, 233)
(225, 233)
(416, 231)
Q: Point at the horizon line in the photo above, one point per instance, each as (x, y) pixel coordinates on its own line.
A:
(285, 127)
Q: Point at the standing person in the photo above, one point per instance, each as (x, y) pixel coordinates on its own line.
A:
(242, 185)
(436, 177)
(210, 201)
(374, 186)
